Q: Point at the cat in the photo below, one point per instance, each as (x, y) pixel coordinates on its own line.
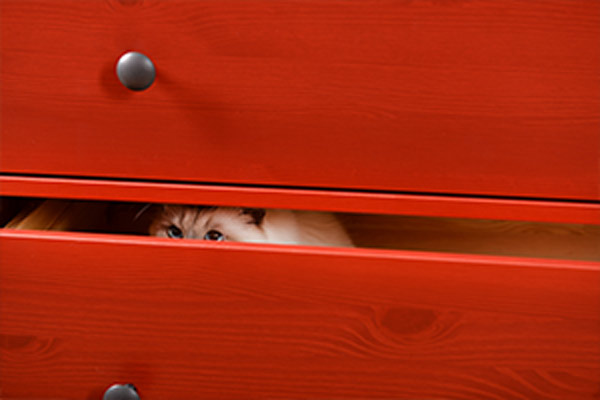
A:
(250, 225)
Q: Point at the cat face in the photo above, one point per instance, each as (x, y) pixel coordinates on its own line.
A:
(209, 223)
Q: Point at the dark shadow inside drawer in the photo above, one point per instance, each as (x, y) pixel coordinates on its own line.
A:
(392, 232)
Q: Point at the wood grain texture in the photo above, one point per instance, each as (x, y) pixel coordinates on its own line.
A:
(474, 236)
(195, 320)
(332, 200)
(468, 97)
(62, 215)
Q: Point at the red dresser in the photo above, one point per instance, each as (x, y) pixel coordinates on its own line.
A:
(437, 109)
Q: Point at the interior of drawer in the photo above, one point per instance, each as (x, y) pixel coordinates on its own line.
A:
(394, 232)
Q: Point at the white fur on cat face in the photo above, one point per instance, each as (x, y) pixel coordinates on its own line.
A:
(277, 226)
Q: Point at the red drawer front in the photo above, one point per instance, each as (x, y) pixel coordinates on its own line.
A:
(194, 320)
(460, 97)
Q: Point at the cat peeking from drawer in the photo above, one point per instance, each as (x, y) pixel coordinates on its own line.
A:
(249, 225)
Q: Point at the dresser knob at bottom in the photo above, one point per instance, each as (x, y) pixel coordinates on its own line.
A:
(121, 392)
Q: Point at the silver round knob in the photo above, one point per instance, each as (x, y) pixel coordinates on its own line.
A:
(135, 71)
(121, 392)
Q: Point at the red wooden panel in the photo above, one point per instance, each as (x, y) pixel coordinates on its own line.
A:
(343, 201)
(470, 97)
(197, 320)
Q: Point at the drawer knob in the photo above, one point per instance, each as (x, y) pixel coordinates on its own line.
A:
(121, 392)
(135, 71)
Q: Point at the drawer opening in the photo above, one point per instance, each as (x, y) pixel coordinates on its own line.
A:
(390, 232)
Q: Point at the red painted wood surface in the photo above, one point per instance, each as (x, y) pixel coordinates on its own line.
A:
(469, 97)
(342, 201)
(185, 320)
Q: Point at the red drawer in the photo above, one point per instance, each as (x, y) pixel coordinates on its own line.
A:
(440, 97)
(195, 320)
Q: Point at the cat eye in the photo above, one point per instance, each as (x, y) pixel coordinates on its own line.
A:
(214, 235)
(174, 232)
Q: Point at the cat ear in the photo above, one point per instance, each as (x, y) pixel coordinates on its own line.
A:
(257, 214)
